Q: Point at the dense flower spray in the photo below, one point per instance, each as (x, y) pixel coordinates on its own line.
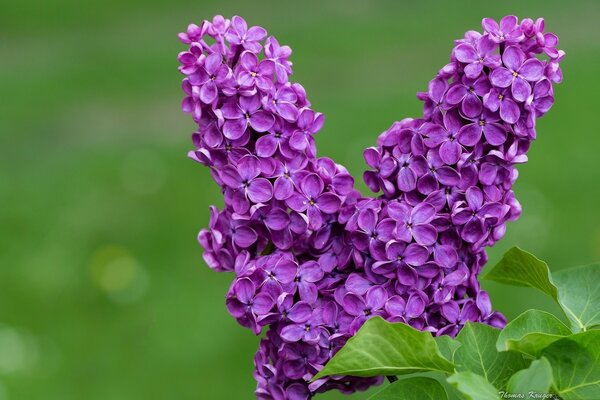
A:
(313, 258)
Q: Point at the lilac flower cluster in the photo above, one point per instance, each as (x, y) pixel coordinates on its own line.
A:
(313, 259)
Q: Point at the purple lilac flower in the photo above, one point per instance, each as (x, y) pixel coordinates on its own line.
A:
(243, 114)
(477, 56)
(312, 258)
(313, 200)
(518, 74)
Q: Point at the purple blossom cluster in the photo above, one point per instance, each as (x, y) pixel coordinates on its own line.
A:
(314, 259)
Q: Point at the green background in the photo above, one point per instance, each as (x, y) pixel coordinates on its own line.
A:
(103, 291)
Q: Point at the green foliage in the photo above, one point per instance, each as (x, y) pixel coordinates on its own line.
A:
(579, 295)
(531, 332)
(473, 386)
(415, 388)
(520, 268)
(534, 353)
(478, 354)
(536, 378)
(383, 348)
(575, 363)
(575, 289)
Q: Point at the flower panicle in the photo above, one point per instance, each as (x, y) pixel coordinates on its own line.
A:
(313, 259)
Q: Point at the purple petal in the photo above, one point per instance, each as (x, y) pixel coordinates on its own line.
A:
(292, 333)
(372, 157)
(367, 219)
(283, 188)
(473, 231)
(415, 306)
(474, 197)
(407, 180)
(448, 176)
(490, 25)
(244, 290)
(495, 134)
(260, 190)
(473, 70)
(287, 111)
(520, 89)
(532, 70)
(277, 219)
(256, 33)
(425, 234)
(376, 297)
(465, 53)
(451, 311)
(315, 219)
(471, 105)
(262, 304)
(357, 284)
(266, 146)
(509, 111)
(423, 213)
(300, 312)
(329, 203)
(501, 77)
(262, 121)
(297, 202)
(513, 57)
(416, 254)
(455, 94)
(245, 237)
(353, 304)
(508, 24)
(469, 134)
(450, 152)
(248, 60)
(208, 92)
(312, 185)
(395, 306)
(230, 176)
(445, 255)
(308, 292)
(407, 275)
(234, 129)
(488, 173)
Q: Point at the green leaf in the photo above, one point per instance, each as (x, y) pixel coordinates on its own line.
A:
(531, 332)
(574, 289)
(575, 364)
(383, 348)
(473, 386)
(520, 268)
(417, 388)
(537, 378)
(447, 346)
(579, 295)
(478, 354)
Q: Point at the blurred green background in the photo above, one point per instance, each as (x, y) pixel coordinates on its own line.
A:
(103, 291)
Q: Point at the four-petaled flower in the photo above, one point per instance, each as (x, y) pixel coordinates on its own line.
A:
(313, 200)
(477, 56)
(519, 71)
(247, 112)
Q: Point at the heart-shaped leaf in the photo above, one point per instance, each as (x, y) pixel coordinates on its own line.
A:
(383, 348)
(574, 289)
(579, 295)
(473, 386)
(416, 388)
(520, 268)
(531, 332)
(537, 378)
(575, 364)
(478, 354)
